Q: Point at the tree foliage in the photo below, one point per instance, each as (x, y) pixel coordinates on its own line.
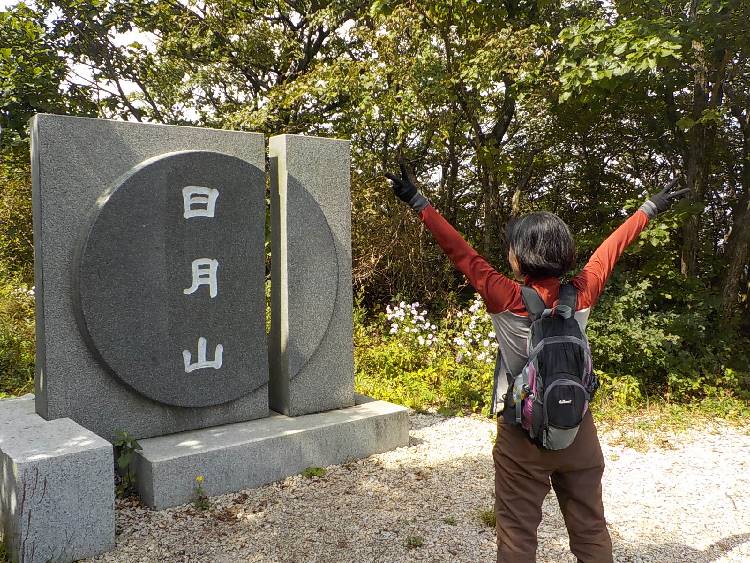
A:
(502, 107)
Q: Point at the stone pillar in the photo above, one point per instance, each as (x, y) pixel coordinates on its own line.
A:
(311, 346)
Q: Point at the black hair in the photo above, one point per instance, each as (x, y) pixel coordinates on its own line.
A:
(543, 245)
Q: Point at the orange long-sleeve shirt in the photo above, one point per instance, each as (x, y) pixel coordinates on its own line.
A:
(501, 294)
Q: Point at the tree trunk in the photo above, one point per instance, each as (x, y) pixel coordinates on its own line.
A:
(707, 94)
(739, 240)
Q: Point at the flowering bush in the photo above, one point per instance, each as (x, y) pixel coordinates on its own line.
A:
(472, 334)
(440, 364)
(468, 333)
(446, 364)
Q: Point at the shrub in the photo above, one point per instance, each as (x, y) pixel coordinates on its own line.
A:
(405, 358)
(16, 338)
(642, 347)
(16, 237)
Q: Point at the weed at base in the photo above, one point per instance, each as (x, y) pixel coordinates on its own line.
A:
(311, 472)
(450, 520)
(201, 498)
(487, 517)
(413, 542)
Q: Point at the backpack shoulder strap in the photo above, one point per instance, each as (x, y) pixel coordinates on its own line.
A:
(567, 300)
(533, 303)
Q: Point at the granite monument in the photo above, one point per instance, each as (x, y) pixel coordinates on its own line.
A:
(151, 318)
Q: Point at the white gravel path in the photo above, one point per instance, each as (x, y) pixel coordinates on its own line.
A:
(688, 500)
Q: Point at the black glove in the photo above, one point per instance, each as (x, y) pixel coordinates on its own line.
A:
(405, 188)
(661, 201)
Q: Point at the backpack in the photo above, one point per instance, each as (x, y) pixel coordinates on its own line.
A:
(552, 393)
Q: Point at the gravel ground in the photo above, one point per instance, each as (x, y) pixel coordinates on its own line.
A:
(686, 500)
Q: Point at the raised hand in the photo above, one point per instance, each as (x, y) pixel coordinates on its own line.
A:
(669, 195)
(662, 200)
(405, 187)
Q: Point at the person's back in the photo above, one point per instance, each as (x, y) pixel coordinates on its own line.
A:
(541, 250)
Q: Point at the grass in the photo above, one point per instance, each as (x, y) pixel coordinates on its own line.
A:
(412, 542)
(654, 424)
(450, 520)
(311, 472)
(487, 517)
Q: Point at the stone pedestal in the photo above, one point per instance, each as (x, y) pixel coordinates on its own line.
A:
(237, 456)
(56, 489)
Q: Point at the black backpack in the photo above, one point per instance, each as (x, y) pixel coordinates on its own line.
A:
(552, 392)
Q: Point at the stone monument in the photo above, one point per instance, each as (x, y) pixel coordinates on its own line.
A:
(138, 265)
(151, 318)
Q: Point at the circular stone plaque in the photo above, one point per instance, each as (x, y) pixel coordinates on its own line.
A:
(169, 279)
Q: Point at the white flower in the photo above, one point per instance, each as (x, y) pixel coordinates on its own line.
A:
(388, 309)
(416, 304)
(420, 339)
(460, 314)
(432, 327)
(424, 312)
(485, 343)
(393, 330)
(467, 333)
(491, 334)
(459, 341)
(430, 336)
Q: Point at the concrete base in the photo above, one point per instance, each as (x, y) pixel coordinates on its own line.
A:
(56, 488)
(238, 456)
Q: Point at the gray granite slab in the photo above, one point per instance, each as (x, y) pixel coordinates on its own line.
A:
(237, 456)
(56, 487)
(75, 161)
(158, 272)
(311, 347)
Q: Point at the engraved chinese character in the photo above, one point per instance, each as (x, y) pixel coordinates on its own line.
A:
(202, 361)
(204, 273)
(198, 201)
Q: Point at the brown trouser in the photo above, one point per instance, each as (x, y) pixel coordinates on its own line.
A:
(523, 473)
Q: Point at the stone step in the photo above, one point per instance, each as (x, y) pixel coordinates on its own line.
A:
(243, 455)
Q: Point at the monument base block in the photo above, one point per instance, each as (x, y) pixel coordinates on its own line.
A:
(57, 496)
(238, 456)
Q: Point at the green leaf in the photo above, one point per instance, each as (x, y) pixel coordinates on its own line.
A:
(620, 49)
(124, 460)
(685, 123)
